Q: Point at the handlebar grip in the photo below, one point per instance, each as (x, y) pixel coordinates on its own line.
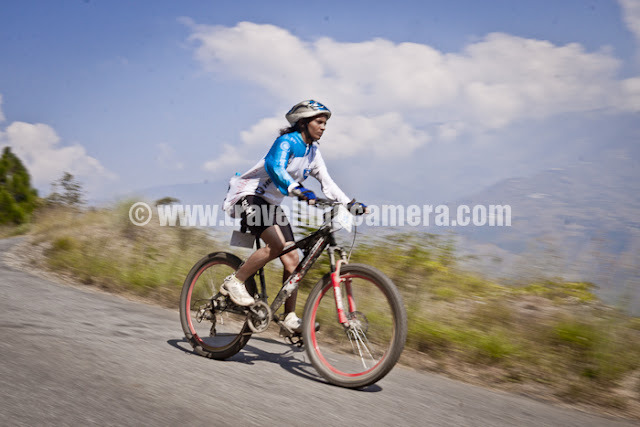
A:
(325, 202)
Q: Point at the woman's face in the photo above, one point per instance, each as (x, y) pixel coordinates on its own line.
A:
(316, 127)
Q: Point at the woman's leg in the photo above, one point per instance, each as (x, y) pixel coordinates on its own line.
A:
(290, 262)
(275, 243)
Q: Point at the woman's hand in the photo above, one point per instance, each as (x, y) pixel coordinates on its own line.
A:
(357, 208)
(304, 194)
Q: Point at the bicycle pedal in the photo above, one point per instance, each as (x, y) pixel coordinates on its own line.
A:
(284, 331)
(295, 339)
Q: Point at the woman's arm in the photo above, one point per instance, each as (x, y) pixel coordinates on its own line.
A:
(276, 162)
(330, 189)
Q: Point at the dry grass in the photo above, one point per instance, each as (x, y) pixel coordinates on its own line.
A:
(551, 339)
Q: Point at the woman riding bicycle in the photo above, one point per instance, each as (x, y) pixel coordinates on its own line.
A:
(291, 159)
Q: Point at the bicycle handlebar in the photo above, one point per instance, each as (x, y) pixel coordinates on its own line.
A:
(323, 203)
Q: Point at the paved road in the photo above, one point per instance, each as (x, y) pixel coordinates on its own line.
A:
(72, 356)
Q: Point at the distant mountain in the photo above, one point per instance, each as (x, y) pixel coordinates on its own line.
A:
(580, 223)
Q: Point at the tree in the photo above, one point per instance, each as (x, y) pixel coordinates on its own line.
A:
(66, 191)
(17, 198)
(167, 201)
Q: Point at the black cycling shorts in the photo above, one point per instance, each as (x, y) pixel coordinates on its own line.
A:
(256, 215)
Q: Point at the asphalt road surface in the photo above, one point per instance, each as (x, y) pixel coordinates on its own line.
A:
(73, 356)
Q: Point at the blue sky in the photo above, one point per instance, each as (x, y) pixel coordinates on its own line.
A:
(432, 100)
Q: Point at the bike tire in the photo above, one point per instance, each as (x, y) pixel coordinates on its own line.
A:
(200, 286)
(379, 340)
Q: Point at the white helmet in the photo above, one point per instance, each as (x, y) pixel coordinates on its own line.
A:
(306, 109)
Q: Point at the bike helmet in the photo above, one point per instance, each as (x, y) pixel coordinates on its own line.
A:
(304, 109)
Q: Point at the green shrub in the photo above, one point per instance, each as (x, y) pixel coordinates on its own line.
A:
(64, 243)
(429, 336)
(558, 290)
(492, 313)
(445, 294)
(493, 347)
(575, 334)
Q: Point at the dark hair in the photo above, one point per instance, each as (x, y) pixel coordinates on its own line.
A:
(299, 126)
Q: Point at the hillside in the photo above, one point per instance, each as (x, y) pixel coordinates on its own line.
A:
(580, 223)
(550, 339)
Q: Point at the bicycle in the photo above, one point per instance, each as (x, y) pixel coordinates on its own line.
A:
(354, 335)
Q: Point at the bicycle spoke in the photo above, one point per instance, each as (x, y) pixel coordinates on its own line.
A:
(360, 350)
(358, 334)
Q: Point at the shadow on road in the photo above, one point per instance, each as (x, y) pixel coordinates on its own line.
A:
(286, 359)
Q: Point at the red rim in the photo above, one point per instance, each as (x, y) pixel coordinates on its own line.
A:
(188, 302)
(314, 340)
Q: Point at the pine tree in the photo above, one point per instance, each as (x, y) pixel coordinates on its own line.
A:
(17, 198)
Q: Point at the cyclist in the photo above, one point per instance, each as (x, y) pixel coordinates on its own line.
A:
(292, 158)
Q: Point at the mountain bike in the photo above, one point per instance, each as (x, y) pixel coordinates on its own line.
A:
(354, 322)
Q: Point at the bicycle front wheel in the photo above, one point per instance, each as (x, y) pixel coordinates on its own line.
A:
(366, 348)
(213, 326)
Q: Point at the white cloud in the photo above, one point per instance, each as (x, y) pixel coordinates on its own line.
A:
(380, 135)
(38, 146)
(265, 55)
(2, 118)
(450, 131)
(383, 93)
(262, 131)
(384, 136)
(631, 90)
(230, 157)
(166, 157)
(631, 15)
(504, 78)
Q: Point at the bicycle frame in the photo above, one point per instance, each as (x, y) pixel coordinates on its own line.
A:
(351, 351)
(312, 246)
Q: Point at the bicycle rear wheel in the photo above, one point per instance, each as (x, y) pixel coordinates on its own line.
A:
(211, 323)
(366, 349)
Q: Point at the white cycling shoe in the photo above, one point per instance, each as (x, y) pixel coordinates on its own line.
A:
(293, 322)
(236, 291)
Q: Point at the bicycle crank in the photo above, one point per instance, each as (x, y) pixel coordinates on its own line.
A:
(259, 317)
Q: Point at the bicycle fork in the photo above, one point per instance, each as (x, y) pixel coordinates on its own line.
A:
(337, 292)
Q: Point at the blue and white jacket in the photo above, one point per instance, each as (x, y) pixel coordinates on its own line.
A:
(288, 163)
